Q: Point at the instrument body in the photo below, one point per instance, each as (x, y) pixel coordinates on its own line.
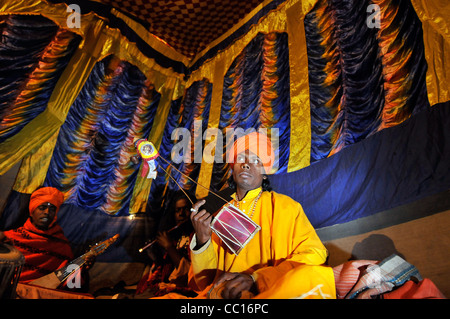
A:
(56, 278)
(11, 263)
(234, 227)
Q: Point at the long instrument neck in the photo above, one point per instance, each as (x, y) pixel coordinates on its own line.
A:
(64, 272)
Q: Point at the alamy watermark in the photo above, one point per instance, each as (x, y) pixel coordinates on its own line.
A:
(213, 151)
(74, 18)
(374, 19)
(74, 279)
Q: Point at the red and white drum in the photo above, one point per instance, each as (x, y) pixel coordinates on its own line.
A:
(234, 227)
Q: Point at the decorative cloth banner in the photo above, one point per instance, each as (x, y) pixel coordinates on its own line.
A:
(182, 145)
(148, 153)
(30, 74)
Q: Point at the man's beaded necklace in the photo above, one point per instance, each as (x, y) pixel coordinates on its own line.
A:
(255, 201)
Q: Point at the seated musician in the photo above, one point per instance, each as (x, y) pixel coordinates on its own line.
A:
(285, 259)
(41, 240)
(170, 265)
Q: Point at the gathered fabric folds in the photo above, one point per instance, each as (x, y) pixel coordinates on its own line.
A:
(363, 77)
(91, 159)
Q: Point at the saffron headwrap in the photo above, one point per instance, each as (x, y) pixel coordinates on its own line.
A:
(46, 195)
(259, 144)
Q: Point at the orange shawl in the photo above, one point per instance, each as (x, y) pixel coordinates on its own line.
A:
(44, 251)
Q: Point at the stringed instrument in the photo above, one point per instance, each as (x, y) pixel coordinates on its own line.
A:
(230, 224)
(59, 276)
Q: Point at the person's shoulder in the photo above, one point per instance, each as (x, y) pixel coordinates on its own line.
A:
(10, 232)
(282, 199)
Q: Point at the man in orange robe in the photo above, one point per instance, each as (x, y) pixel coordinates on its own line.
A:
(41, 240)
(285, 259)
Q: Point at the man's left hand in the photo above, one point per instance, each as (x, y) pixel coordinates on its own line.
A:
(235, 284)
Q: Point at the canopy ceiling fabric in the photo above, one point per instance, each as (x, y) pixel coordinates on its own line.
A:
(300, 66)
(189, 25)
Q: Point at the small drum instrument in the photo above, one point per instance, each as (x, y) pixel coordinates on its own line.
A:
(11, 263)
(234, 227)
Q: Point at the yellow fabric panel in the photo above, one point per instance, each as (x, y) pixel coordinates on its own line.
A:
(435, 17)
(287, 18)
(206, 168)
(141, 191)
(115, 43)
(34, 167)
(55, 12)
(161, 78)
(300, 141)
(41, 128)
(36, 140)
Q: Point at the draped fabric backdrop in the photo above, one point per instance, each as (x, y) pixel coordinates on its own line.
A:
(362, 79)
(91, 159)
(34, 52)
(316, 75)
(256, 95)
(183, 114)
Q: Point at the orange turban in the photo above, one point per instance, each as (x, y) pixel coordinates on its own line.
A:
(46, 195)
(259, 144)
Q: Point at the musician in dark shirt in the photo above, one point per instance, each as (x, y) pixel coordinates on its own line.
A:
(170, 254)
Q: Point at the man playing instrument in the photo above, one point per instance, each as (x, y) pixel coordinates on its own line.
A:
(170, 266)
(285, 259)
(41, 240)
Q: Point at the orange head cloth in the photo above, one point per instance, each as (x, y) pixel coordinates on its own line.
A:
(46, 195)
(259, 144)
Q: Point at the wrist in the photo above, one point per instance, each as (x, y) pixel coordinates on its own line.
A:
(202, 240)
(199, 245)
(196, 248)
(254, 289)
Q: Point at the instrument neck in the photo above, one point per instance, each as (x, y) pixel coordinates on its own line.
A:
(70, 268)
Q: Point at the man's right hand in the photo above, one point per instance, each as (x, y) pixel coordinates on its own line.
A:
(201, 221)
